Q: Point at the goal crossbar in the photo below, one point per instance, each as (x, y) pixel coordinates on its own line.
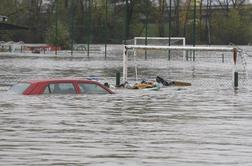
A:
(203, 48)
(183, 48)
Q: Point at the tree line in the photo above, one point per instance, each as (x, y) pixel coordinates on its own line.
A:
(63, 22)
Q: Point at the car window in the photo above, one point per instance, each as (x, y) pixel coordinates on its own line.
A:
(91, 88)
(60, 88)
(19, 88)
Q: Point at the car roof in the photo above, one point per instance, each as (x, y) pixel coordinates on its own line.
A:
(59, 80)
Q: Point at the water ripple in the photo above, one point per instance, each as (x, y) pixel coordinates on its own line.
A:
(174, 126)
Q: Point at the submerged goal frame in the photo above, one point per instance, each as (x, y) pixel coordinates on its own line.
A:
(233, 50)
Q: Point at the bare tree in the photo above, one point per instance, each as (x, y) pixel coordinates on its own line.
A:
(160, 19)
(186, 11)
(176, 17)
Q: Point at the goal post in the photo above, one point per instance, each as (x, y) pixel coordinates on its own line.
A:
(232, 50)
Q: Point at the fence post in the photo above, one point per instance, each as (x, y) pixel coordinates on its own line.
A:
(118, 79)
(223, 58)
(236, 79)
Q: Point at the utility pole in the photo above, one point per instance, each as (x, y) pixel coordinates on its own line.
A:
(169, 52)
(90, 2)
(146, 27)
(56, 27)
(106, 26)
(126, 26)
(72, 25)
(194, 27)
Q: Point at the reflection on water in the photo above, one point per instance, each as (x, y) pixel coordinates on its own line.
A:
(175, 126)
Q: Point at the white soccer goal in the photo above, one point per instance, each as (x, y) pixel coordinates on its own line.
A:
(229, 56)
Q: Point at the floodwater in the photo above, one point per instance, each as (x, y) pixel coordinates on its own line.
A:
(208, 123)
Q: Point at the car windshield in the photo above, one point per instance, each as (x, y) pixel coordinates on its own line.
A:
(19, 88)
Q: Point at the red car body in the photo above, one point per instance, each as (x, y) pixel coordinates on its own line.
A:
(38, 87)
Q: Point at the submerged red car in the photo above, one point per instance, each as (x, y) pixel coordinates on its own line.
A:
(60, 86)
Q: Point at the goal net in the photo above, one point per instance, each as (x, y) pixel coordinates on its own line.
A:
(158, 41)
(207, 65)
